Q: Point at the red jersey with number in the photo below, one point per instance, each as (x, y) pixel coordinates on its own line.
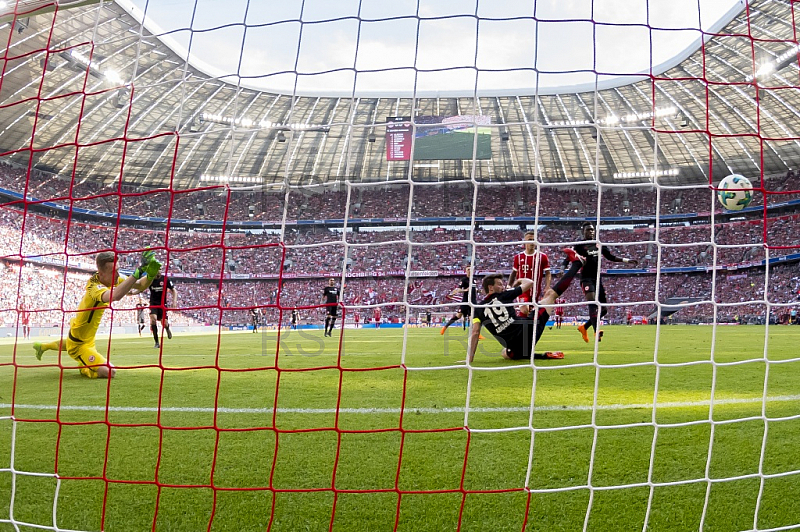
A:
(533, 267)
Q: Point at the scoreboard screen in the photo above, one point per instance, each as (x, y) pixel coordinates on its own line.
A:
(439, 137)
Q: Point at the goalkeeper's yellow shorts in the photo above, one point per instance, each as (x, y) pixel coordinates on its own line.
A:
(87, 357)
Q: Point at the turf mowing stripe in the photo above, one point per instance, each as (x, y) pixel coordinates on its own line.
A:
(446, 410)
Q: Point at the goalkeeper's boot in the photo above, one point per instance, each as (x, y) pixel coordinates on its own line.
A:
(481, 337)
(584, 334)
(157, 346)
(443, 330)
(37, 346)
(573, 256)
(599, 336)
(555, 355)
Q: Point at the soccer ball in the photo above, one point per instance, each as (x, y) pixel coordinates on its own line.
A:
(735, 192)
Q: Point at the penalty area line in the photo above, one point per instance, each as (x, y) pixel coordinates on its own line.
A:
(411, 410)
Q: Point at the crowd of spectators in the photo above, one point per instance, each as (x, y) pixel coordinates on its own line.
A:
(740, 295)
(319, 250)
(382, 201)
(220, 276)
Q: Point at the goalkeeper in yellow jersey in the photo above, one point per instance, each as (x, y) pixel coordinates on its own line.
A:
(102, 288)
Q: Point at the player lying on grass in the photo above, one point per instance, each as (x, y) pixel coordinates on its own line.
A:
(102, 288)
(518, 336)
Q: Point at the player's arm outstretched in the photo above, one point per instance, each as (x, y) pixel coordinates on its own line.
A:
(474, 335)
(513, 277)
(525, 284)
(607, 254)
(548, 275)
(459, 290)
(140, 280)
(174, 293)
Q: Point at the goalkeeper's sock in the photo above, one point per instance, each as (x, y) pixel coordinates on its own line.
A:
(333, 324)
(451, 321)
(50, 346)
(154, 329)
(169, 333)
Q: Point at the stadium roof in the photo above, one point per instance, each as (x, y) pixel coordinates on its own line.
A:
(172, 123)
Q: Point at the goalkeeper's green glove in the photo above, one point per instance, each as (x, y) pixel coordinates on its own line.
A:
(152, 269)
(147, 257)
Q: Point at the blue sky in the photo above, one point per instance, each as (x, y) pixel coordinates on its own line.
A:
(383, 41)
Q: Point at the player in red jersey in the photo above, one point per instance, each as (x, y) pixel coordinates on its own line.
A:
(376, 316)
(629, 317)
(25, 318)
(559, 312)
(357, 318)
(534, 265)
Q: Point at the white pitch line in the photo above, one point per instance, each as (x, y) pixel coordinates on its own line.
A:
(409, 410)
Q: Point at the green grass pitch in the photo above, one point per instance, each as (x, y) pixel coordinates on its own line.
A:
(594, 451)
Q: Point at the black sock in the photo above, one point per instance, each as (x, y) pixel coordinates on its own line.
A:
(333, 324)
(563, 283)
(451, 321)
(154, 328)
(592, 321)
